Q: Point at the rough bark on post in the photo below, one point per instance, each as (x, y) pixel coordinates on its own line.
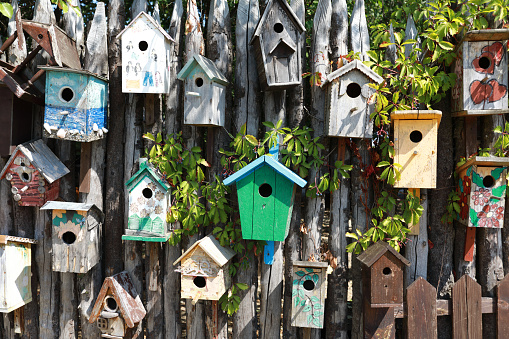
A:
(359, 35)
(137, 7)
(74, 27)
(16, 52)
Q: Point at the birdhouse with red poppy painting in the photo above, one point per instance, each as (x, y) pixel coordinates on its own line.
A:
(481, 70)
(482, 185)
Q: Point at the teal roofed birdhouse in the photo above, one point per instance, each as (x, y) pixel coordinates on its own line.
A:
(265, 190)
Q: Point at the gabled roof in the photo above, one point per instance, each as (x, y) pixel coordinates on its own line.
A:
(416, 114)
(152, 21)
(484, 161)
(376, 251)
(69, 206)
(355, 64)
(9, 238)
(221, 255)
(206, 65)
(146, 167)
(285, 41)
(72, 70)
(265, 160)
(45, 161)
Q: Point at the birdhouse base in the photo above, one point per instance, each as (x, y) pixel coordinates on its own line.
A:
(137, 236)
(76, 136)
(479, 112)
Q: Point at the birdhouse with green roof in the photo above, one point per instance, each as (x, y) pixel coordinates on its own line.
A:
(265, 190)
(149, 200)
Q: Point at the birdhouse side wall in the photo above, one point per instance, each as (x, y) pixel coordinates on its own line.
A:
(283, 206)
(387, 280)
(15, 282)
(259, 52)
(457, 91)
(308, 305)
(17, 127)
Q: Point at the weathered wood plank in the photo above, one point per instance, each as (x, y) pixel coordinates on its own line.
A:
(18, 51)
(154, 305)
(502, 308)
(359, 35)
(74, 27)
(417, 247)
(421, 310)
(466, 309)
(96, 60)
(378, 322)
(270, 298)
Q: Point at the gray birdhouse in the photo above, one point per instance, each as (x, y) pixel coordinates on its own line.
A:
(15, 119)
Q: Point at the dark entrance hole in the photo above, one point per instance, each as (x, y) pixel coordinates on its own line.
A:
(416, 136)
(278, 28)
(265, 190)
(484, 63)
(309, 285)
(25, 176)
(147, 193)
(199, 82)
(111, 304)
(387, 271)
(143, 45)
(353, 90)
(69, 238)
(67, 94)
(199, 282)
(488, 181)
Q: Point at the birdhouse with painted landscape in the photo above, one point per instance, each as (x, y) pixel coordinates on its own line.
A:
(481, 73)
(118, 309)
(149, 200)
(265, 190)
(76, 105)
(204, 270)
(415, 147)
(277, 47)
(34, 172)
(383, 267)
(205, 92)
(348, 107)
(482, 189)
(15, 119)
(145, 56)
(16, 267)
(75, 235)
(309, 293)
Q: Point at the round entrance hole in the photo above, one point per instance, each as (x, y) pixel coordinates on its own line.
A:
(488, 181)
(25, 176)
(387, 271)
(265, 190)
(22, 164)
(111, 304)
(69, 237)
(147, 193)
(278, 28)
(353, 90)
(40, 36)
(199, 282)
(416, 136)
(143, 45)
(199, 82)
(484, 63)
(66, 94)
(309, 285)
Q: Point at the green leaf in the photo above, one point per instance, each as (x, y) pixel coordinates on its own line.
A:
(242, 286)
(296, 282)
(252, 140)
(307, 308)
(498, 191)
(6, 9)
(300, 273)
(315, 299)
(315, 278)
(296, 301)
(446, 45)
(317, 306)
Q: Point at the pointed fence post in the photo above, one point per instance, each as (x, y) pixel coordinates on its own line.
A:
(466, 309)
(18, 51)
(421, 310)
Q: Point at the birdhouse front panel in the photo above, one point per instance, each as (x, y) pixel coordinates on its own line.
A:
(16, 119)
(387, 280)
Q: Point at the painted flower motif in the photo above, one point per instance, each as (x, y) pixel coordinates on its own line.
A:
(467, 185)
(150, 202)
(490, 215)
(464, 206)
(152, 186)
(159, 195)
(144, 213)
(141, 200)
(158, 209)
(481, 197)
(133, 207)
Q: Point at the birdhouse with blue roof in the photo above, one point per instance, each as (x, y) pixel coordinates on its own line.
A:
(266, 191)
(205, 92)
(149, 200)
(76, 106)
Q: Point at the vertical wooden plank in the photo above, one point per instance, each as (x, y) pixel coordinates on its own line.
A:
(270, 298)
(154, 306)
(359, 36)
(502, 310)
(16, 52)
(74, 27)
(469, 244)
(85, 167)
(466, 309)
(378, 322)
(417, 247)
(421, 310)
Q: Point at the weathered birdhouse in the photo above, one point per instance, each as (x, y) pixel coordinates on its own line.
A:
(34, 172)
(265, 190)
(277, 47)
(75, 235)
(482, 186)
(204, 270)
(149, 200)
(382, 267)
(118, 308)
(16, 119)
(205, 92)
(16, 267)
(76, 106)
(145, 56)
(309, 293)
(415, 147)
(347, 107)
(481, 71)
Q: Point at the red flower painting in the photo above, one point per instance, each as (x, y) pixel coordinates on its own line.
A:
(490, 216)
(467, 185)
(464, 206)
(481, 197)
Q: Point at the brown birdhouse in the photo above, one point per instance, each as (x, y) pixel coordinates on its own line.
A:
(16, 121)
(34, 172)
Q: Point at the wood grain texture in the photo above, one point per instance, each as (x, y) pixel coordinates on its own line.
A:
(96, 58)
(75, 28)
(359, 36)
(378, 322)
(421, 310)
(270, 298)
(417, 247)
(466, 309)
(502, 307)
(18, 51)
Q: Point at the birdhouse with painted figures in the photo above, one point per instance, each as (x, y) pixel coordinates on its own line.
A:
(75, 235)
(481, 73)
(265, 190)
(34, 172)
(145, 56)
(15, 119)
(415, 147)
(204, 270)
(205, 92)
(347, 108)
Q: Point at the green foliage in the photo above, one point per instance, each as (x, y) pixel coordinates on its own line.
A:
(453, 208)
(6, 9)
(502, 144)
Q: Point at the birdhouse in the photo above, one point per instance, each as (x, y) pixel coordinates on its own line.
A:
(382, 274)
(149, 200)
(309, 293)
(16, 119)
(76, 106)
(347, 107)
(277, 47)
(265, 190)
(205, 92)
(145, 56)
(204, 270)
(415, 147)
(481, 73)
(482, 185)
(75, 235)
(34, 172)
(118, 308)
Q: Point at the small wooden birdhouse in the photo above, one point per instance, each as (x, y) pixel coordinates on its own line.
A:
(481, 73)
(347, 107)
(145, 56)
(34, 172)
(415, 147)
(205, 92)
(76, 106)
(265, 190)
(382, 274)
(15, 119)
(277, 47)
(149, 200)
(118, 308)
(75, 235)
(309, 293)
(204, 270)
(482, 186)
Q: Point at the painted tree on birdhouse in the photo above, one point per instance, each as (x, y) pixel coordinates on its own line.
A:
(16, 119)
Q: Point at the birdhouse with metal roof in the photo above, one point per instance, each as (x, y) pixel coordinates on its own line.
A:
(265, 189)
(149, 201)
(76, 105)
(118, 309)
(347, 105)
(34, 172)
(481, 73)
(205, 92)
(145, 56)
(415, 147)
(75, 235)
(204, 270)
